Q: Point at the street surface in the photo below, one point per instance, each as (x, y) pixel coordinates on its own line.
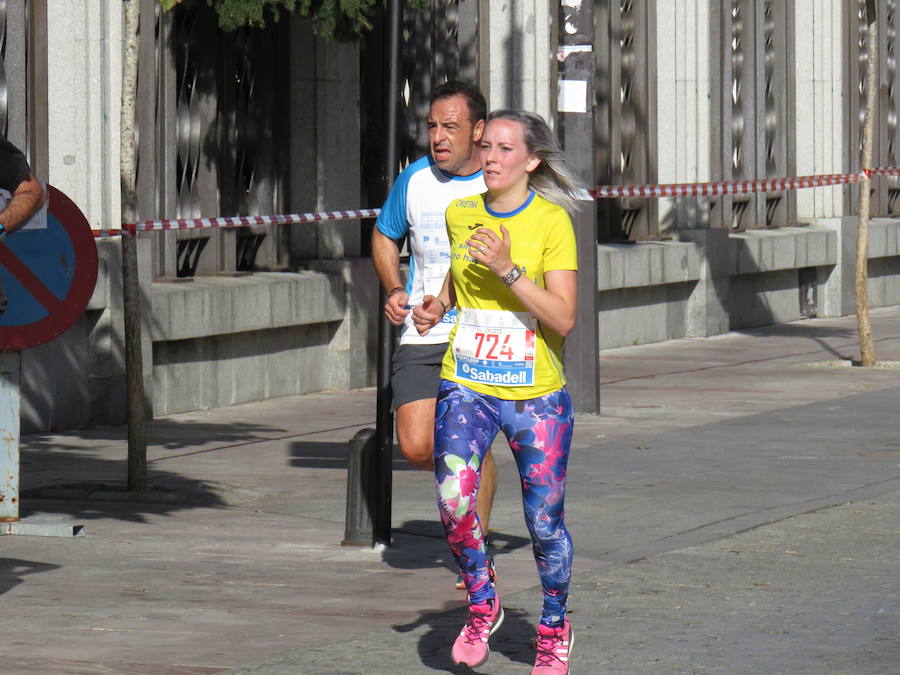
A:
(735, 509)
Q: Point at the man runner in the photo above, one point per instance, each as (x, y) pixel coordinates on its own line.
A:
(415, 208)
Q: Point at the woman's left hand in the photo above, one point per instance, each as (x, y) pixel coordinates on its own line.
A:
(492, 251)
(429, 314)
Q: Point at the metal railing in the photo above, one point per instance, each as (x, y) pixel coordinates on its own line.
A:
(211, 137)
(625, 126)
(751, 81)
(886, 149)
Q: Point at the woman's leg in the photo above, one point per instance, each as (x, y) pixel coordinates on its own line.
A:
(465, 426)
(540, 434)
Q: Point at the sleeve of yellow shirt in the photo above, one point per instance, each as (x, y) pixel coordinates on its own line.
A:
(561, 252)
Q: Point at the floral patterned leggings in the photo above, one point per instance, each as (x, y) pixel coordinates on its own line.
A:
(539, 431)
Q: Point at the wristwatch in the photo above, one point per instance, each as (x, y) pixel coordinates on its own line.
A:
(3, 233)
(512, 276)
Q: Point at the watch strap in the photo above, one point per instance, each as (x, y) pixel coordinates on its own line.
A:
(512, 276)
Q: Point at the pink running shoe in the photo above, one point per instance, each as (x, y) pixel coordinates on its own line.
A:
(471, 647)
(553, 648)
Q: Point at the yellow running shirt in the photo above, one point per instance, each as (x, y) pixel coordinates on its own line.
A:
(497, 347)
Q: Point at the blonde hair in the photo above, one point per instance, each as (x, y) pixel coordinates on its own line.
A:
(553, 179)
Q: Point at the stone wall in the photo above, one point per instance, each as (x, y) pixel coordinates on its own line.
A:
(711, 281)
(220, 340)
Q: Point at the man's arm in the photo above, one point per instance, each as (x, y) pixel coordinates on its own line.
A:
(27, 199)
(386, 256)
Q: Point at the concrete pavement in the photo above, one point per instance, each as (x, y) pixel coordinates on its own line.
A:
(734, 510)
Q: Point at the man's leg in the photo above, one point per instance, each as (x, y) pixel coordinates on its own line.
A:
(415, 432)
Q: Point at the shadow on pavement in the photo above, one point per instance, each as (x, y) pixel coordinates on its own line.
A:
(513, 639)
(97, 501)
(815, 333)
(168, 433)
(98, 489)
(85, 474)
(12, 570)
(317, 455)
(421, 544)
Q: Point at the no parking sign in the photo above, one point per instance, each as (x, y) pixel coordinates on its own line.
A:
(48, 270)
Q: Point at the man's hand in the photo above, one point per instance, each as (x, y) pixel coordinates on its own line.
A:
(395, 308)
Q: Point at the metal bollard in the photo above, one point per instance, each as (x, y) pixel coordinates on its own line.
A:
(10, 377)
(361, 489)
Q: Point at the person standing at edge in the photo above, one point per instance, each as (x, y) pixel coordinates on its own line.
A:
(26, 192)
(513, 279)
(415, 208)
(26, 195)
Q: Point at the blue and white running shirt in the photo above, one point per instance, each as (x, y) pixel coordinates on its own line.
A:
(416, 206)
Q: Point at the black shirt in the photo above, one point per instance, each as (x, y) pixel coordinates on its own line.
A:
(13, 166)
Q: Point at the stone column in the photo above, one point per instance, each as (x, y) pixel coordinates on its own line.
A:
(708, 303)
(683, 49)
(522, 56)
(837, 285)
(85, 58)
(819, 138)
(354, 342)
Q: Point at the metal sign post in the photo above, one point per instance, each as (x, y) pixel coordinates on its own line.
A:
(576, 131)
(47, 270)
(384, 430)
(9, 437)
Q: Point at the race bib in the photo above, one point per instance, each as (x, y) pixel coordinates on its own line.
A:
(495, 347)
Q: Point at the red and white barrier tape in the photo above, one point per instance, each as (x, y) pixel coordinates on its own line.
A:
(100, 234)
(724, 187)
(738, 187)
(885, 171)
(239, 221)
(602, 192)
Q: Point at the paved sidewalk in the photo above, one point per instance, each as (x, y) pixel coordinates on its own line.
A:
(734, 510)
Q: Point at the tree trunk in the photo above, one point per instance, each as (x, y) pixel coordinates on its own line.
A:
(134, 366)
(866, 346)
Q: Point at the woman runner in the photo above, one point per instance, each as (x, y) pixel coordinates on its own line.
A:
(513, 281)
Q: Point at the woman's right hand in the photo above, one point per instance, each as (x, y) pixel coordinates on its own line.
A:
(428, 314)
